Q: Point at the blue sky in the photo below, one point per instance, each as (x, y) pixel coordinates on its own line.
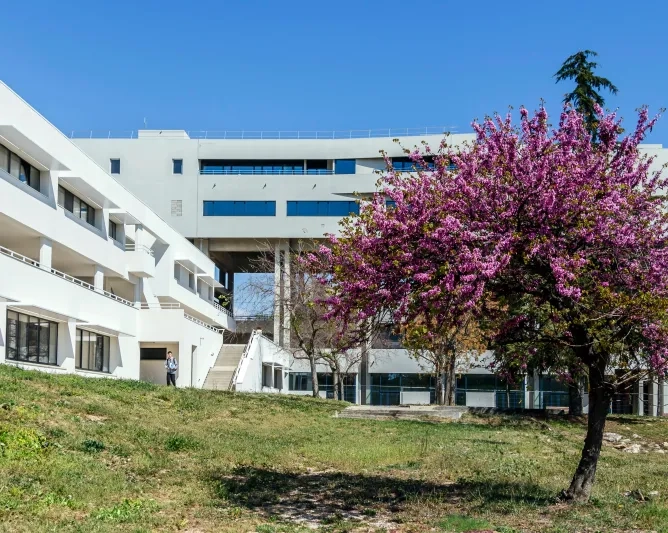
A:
(288, 65)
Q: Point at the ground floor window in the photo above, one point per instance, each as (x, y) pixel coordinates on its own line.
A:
(300, 381)
(92, 351)
(507, 395)
(31, 339)
(386, 388)
(348, 383)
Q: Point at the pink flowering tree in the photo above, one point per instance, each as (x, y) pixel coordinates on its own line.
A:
(556, 243)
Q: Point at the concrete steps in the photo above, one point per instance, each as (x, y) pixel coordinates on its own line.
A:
(221, 373)
(417, 412)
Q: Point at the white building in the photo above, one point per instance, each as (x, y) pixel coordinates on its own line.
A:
(100, 277)
(233, 193)
(92, 280)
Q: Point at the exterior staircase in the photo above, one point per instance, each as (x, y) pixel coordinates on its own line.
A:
(220, 374)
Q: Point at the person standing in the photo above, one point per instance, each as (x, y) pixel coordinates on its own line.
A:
(172, 366)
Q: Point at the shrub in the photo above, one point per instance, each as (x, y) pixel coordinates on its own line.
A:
(92, 446)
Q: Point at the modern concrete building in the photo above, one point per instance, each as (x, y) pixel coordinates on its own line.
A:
(92, 280)
(236, 193)
(114, 248)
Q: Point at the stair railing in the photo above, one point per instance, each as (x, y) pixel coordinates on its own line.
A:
(233, 382)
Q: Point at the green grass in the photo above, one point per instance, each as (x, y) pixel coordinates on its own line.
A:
(97, 455)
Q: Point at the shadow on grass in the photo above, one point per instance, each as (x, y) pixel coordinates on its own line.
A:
(322, 497)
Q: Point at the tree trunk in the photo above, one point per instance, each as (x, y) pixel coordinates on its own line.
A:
(335, 383)
(451, 380)
(661, 400)
(600, 394)
(575, 396)
(440, 384)
(314, 377)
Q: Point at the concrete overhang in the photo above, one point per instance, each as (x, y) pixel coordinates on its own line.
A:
(209, 280)
(44, 312)
(87, 191)
(29, 150)
(105, 330)
(188, 264)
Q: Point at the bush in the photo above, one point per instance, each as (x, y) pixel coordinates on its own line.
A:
(178, 443)
(92, 446)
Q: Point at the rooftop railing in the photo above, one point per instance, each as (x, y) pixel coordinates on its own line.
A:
(62, 275)
(202, 323)
(243, 134)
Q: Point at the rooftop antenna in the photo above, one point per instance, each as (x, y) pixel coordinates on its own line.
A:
(145, 123)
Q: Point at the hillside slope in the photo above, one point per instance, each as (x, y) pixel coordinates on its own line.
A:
(82, 454)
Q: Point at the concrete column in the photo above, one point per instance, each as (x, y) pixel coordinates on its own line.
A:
(663, 397)
(286, 295)
(45, 253)
(654, 397)
(139, 289)
(202, 245)
(48, 185)
(98, 278)
(67, 356)
(638, 405)
(528, 394)
(277, 293)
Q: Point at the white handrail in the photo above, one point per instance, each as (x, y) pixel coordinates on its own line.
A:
(161, 305)
(202, 323)
(62, 275)
(132, 247)
(220, 308)
(244, 355)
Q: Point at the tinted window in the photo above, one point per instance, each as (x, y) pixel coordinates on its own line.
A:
(177, 166)
(115, 166)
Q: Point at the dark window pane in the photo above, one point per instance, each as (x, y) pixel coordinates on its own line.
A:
(105, 363)
(33, 339)
(12, 334)
(34, 178)
(23, 338)
(344, 166)
(91, 216)
(53, 343)
(43, 351)
(4, 159)
(99, 353)
(178, 166)
(115, 166)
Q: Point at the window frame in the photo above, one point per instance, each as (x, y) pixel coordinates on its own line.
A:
(102, 343)
(114, 161)
(239, 208)
(113, 230)
(178, 162)
(33, 338)
(71, 202)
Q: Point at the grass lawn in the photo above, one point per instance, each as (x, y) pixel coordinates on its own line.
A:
(100, 455)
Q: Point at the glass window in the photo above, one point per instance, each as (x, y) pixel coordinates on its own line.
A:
(31, 339)
(229, 208)
(323, 209)
(113, 230)
(76, 205)
(92, 351)
(14, 165)
(177, 166)
(34, 178)
(344, 166)
(115, 165)
(24, 172)
(4, 158)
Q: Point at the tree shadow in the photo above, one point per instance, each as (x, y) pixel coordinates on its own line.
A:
(315, 498)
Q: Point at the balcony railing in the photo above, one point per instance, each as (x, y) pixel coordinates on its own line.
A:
(203, 324)
(132, 247)
(62, 275)
(242, 134)
(266, 172)
(220, 308)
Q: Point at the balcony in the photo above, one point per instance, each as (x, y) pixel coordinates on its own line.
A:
(50, 292)
(141, 261)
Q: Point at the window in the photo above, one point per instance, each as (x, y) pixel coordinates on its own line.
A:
(113, 230)
(31, 339)
(115, 166)
(92, 351)
(405, 164)
(76, 206)
(267, 376)
(177, 166)
(249, 166)
(191, 280)
(344, 166)
(230, 208)
(18, 168)
(300, 381)
(278, 377)
(322, 209)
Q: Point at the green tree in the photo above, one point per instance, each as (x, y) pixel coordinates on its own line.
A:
(585, 97)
